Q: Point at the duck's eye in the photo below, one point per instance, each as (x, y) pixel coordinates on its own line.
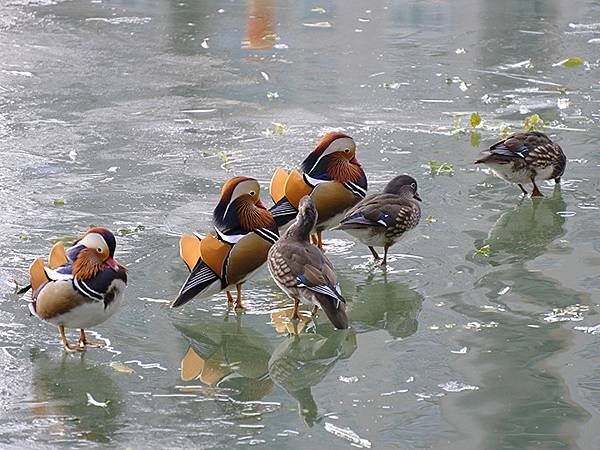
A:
(99, 250)
(346, 150)
(413, 185)
(252, 193)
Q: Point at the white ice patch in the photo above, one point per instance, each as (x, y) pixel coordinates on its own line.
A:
(457, 386)
(347, 434)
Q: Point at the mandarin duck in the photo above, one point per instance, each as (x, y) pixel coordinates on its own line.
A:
(244, 233)
(80, 287)
(303, 272)
(331, 175)
(524, 158)
(380, 220)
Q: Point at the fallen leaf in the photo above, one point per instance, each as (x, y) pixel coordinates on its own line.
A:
(534, 123)
(67, 240)
(484, 251)
(572, 62)
(440, 168)
(475, 120)
(121, 368)
(58, 202)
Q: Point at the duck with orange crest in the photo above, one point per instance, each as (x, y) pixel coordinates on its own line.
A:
(333, 178)
(80, 287)
(244, 233)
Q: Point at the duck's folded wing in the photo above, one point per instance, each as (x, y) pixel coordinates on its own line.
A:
(314, 271)
(283, 212)
(321, 282)
(384, 213)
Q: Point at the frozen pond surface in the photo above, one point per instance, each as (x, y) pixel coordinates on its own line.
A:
(135, 112)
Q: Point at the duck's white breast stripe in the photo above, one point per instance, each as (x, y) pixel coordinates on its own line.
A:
(267, 235)
(355, 188)
(229, 238)
(85, 290)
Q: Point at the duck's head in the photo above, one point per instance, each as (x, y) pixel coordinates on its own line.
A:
(403, 185)
(240, 206)
(92, 252)
(334, 158)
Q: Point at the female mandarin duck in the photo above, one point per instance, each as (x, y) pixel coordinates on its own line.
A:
(381, 219)
(303, 272)
(80, 288)
(245, 231)
(524, 158)
(331, 175)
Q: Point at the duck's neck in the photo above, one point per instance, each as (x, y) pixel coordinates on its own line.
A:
(301, 229)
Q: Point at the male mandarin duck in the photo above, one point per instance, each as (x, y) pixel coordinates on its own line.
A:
(303, 272)
(331, 175)
(381, 219)
(80, 287)
(245, 231)
(524, 158)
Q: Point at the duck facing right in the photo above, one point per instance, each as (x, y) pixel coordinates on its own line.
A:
(380, 220)
(526, 157)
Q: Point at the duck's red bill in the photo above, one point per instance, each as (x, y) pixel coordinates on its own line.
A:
(112, 264)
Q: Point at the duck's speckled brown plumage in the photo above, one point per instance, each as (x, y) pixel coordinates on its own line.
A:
(381, 219)
(298, 267)
(524, 158)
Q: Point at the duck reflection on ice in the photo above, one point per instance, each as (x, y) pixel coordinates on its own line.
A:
(303, 360)
(520, 236)
(228, 356)
(524, 233)
(67, 400)
(260, 28)
(390, 306)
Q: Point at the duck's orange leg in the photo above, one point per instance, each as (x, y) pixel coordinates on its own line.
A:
(536, 192)
(319, 240)
(296, 314)
(238, 300)
(229, 298)
(68, 347)
(83, 341)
